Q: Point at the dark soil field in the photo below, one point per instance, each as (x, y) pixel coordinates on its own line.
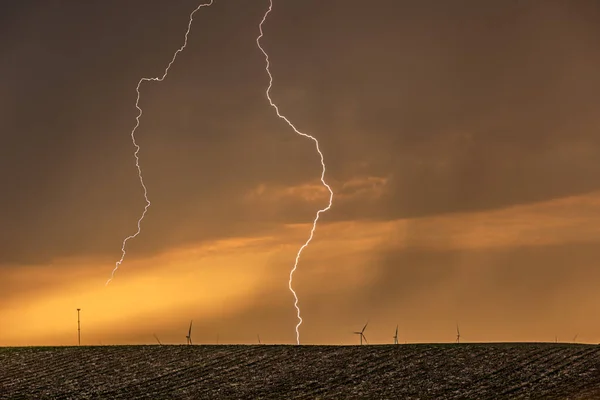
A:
(418, 371)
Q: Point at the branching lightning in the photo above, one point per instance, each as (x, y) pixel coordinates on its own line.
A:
(137, 147)
(322, 173)
(137, 160)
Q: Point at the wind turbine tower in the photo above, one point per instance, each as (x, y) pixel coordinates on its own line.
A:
(457, 334)
(78, 328)
(189, 335)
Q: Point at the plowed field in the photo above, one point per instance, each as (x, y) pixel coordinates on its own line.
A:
(418, 371)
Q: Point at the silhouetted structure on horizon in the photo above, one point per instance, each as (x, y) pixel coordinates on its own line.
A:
(457, 334)
(78, 328)
(189, 335)
(362, 333)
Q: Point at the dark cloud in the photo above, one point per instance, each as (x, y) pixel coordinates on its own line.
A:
(463, 106)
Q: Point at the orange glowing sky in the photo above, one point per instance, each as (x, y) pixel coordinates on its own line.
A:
(461, 141)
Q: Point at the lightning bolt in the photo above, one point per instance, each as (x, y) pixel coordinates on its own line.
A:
(137, 147)
(322, 173)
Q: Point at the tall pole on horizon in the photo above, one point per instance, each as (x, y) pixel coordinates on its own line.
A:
(78, 328)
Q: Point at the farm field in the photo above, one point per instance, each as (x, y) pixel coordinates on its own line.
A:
(413, 371)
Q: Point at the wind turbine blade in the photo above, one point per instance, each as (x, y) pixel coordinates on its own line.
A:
(364, 337)
(190, 331)
(365, 327)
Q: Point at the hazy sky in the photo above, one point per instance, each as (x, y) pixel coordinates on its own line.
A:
(461, 141)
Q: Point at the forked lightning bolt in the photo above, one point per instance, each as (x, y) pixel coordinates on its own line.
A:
(322, 173)
(137, 147)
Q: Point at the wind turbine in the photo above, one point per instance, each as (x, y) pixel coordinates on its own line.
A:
(157, 339)
(396, 336)
(189, 335)
(78, 328)
(457, 334)
(258, 336)
(362, 333)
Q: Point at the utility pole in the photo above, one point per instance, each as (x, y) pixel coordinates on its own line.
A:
(78, 328)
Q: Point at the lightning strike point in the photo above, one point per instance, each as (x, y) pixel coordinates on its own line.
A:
(137, 147)
(322, 174)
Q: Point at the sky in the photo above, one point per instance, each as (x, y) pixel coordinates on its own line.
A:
(461, 141)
